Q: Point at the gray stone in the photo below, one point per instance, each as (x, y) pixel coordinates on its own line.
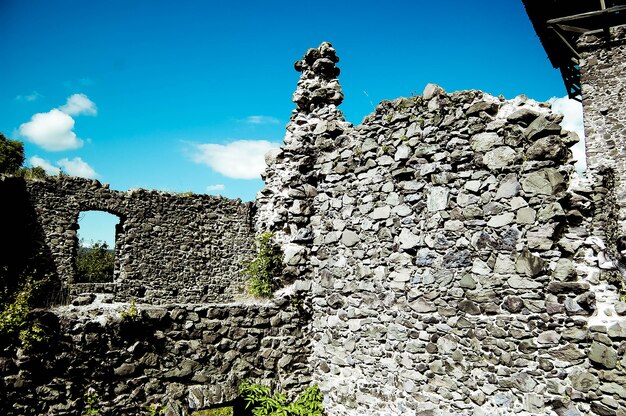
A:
(501, 220)
(469, 307)
(617, 330)
(500, 158)
(541, 127)
(517, 282)
(547, 181)
(584, 381)
(564, 270)
(523, 115)
(569, 353)
(603, 355)
(509, 187)
(620, 308)
(437, 198)
(550, 211)
(408, 240)
(349, 238)
(380, 213)
(483, 142)
(526, 215)
(529, 264)
(432, 90)
(546, 148)
(548, 337)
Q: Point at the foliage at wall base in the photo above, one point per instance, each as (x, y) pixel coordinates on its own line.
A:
(260, 400)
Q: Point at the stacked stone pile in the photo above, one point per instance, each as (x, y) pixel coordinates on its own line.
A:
(285, 203)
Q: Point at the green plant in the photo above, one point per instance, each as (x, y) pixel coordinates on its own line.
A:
(260, 400)
(131, 313)
(92, 402)
(13, 318)
(262, 272)
(385, 148)
(155, 410)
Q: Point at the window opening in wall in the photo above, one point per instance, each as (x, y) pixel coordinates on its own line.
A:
(95, 254)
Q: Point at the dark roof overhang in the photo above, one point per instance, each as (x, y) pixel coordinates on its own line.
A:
(559, 24)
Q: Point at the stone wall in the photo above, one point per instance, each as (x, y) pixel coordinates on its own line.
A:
(169, 247)
(179, 358)
(452, 270)
(603, 81)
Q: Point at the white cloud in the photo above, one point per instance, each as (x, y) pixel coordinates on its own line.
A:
(77, 167)
(217, 187)
(261, 120)
(51, 131)
(78, 104)
(34, 96)
(44, 164)
(241, 159)
(572, 111)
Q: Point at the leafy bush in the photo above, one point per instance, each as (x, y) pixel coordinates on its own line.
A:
(260, 400)
(13, 320)
(263, 271)
(35, 172)
(95, 264)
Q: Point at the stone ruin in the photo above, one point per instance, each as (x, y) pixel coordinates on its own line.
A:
(443, 248)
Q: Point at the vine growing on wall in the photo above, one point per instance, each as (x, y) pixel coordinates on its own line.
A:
(263, 271)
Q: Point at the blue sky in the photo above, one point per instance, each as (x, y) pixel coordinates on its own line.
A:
(185, 96)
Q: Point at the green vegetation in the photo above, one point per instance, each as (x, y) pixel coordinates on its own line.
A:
(131, 313)
(13, 313)
(12, 158)
(92, 403)
(11, 155)
(262, 272)
(218, 411)
(94, 264)
(32, 173)
(260, 400)
(154, 410)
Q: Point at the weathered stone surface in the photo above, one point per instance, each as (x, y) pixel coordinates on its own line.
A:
(500, 157)
(528, 264)
(546, 148)
(602, 355)
(541, 127)
(483, 142)
(544, 182)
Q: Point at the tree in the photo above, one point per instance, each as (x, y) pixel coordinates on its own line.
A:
(11, 155)
(95, 264)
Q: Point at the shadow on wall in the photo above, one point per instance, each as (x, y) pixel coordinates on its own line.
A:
(24, 254)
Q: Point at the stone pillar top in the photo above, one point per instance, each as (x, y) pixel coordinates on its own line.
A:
(318, 85)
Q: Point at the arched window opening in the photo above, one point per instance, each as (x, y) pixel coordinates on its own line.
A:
(95, 253)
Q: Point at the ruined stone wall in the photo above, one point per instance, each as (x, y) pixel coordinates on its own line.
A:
(174, 358)
(170, 248)
(451, 265)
